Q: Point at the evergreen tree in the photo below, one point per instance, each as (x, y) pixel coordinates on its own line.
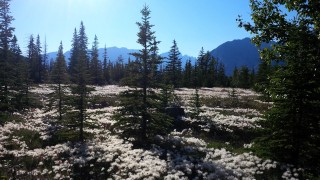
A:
(292, 126)
(118, 70)
(38, 62)
(156, 60)
(173, 69)
(83, 45)
(20, 73)
(196, 105)
(106, 69)
(96, 66)
(195, 76)
(212, 74)
(140, 116)
(6, 75)
(203, 68)
(235, 81)
(45, 66)
(200, 66)
(59, 76)
(262, 77)
(35, 60)
(187, 75)
(32, 59)
(244, 77)
(81, 77)
(74, 56)
(252, 77)
(221, 76)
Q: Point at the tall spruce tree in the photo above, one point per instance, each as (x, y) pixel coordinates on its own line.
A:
(39, 64)
(235, 81)
(35, 60)
(140, 116)
(156, 60)
(32, 59)
(74, 56)
(106, 69)
(244, 77)
(292, 126)
(173, 69)
(222, 79)
(262, 76)
(199, 68)
(6, 34)
(212, 72)
(45, 66)
(187, 75)
(59, 76)
(95, 64)
(81, 77)
(20, 76)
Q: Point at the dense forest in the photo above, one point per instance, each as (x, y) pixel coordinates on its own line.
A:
(154, 114)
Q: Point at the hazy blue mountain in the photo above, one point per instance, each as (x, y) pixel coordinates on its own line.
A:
(238, 53)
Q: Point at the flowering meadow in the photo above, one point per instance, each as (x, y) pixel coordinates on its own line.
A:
(215, 145)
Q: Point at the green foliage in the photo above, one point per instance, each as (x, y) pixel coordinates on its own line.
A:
(117, 72)
(59, 71)
(173, 68)
(222, 79)
(59, 76)
(80, 103)
(133, 110)
(79, 72)
(168, 98)
(31, 138)
(292, 127)
(95, 64)
(196, 105)
(187, 75)
(7, 59)
(35, 60)
(242, 78)
(141, 114)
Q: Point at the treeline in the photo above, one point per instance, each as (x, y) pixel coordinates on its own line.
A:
(207, 71)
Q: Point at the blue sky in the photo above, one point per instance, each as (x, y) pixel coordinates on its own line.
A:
(193, 23)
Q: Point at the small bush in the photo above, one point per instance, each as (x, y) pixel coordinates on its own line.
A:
(31, 138)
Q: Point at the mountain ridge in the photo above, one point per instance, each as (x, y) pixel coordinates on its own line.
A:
(237, 53)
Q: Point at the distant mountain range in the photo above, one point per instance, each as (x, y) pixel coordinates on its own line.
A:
(232, 54)
(238, 53)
